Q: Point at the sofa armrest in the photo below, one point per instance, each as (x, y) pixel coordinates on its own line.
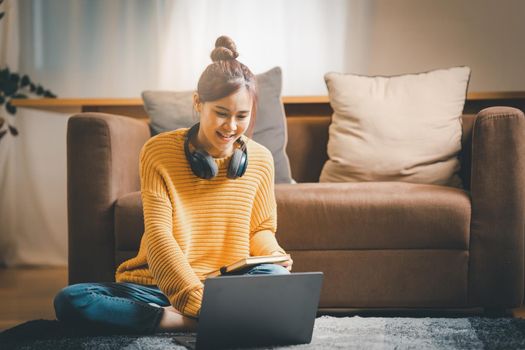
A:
(102, 165)
(498, 204)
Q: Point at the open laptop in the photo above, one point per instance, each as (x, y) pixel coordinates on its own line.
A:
(256, 310)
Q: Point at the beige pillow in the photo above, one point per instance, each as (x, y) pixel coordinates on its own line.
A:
(401, 128)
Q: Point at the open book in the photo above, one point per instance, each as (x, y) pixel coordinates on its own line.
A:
(248, 262)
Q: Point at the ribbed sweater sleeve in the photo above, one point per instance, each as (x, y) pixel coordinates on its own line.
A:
(264, 215)
(167, 263)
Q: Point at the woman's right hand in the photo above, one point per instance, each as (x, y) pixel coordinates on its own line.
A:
(288, 263)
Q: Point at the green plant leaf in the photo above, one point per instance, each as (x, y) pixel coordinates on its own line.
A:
(2, 133)
(2, 15)
(39, 90)
(49, 94)
(32, 87)
(8, 87)
(13, 130)
(19, 96)
(10, 108)
(4, 73)
(2, 100)
(25, 81)
(15, 77)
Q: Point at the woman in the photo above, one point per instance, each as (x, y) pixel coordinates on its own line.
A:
(208, 201)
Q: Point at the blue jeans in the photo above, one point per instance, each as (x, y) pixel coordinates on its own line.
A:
(123, 307)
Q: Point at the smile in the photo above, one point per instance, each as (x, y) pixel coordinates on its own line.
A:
(225, 137)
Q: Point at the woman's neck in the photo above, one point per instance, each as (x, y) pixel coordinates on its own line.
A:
(200, 141)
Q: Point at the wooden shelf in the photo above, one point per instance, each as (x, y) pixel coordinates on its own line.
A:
(77, 105)
(304, 99)
(504, 95)
(74, 102)
(294, 105)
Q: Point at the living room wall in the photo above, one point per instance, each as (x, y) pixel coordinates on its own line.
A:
(419, 35)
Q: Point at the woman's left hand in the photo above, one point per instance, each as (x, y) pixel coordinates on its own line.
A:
(288, 263)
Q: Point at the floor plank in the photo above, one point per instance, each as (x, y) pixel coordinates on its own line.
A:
(27, 293)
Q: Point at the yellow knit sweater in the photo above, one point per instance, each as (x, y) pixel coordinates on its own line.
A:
(194, 226)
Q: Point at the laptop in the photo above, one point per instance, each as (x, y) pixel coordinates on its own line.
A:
(256, 310)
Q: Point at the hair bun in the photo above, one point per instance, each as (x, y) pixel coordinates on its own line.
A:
(225, 49)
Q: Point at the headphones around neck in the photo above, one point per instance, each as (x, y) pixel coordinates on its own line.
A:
(203, 165)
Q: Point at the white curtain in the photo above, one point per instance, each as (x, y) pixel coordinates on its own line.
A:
(9, 39)
(33, 225)
(118, 48)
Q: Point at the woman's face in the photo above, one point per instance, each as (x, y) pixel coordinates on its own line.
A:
(223, 121)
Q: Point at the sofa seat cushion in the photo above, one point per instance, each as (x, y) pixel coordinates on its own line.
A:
(129, 223)
(372, 215)
(367, 215)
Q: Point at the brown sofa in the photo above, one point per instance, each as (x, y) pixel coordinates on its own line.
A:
(381, 245)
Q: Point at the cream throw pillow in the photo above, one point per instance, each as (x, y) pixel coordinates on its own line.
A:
(402, 128)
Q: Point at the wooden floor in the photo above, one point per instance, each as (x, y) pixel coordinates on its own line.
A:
(27, 294)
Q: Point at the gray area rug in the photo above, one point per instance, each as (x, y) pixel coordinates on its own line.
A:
(329, 333)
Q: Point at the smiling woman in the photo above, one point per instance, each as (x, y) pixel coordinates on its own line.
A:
(221, 126)
(226, 99)
(203, 209)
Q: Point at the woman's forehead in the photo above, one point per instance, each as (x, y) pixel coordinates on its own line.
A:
(238, 101)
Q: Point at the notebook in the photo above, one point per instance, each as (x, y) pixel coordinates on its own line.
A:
(248, 262)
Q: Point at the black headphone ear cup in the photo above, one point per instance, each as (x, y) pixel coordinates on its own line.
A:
(203, 165)
(235, 162)
(243, 164)
(237, 166)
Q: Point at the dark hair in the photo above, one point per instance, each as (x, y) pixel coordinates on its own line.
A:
(226, 75)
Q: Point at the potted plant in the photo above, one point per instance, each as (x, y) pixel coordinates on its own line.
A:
(14, 85)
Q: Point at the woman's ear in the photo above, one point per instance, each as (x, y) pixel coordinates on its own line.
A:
(197, 104)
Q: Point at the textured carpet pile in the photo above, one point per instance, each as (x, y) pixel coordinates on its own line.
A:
(329, 333)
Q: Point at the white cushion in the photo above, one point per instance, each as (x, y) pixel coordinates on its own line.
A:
(400, 128)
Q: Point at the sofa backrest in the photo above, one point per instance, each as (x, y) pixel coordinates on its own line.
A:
(308, 138)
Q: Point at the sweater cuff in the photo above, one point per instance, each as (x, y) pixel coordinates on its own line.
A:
(193, 303)
(264, 243)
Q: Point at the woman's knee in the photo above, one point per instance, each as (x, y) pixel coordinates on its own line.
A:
(279, 270)
(70, 299)
(270, 269)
